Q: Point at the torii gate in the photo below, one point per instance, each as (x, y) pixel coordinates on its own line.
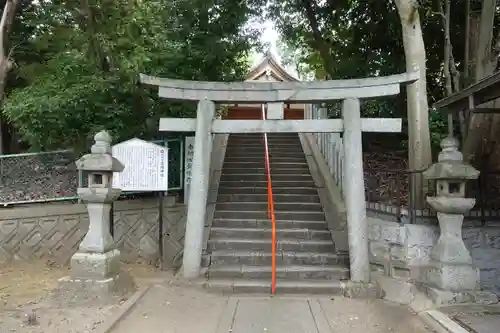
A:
(275, 94)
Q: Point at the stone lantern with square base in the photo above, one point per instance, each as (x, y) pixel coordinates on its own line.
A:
(95, 267)
(450, 276)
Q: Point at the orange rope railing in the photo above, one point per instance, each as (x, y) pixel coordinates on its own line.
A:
(270, 208)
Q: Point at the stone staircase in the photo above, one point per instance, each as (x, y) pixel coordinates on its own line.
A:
(239, 245)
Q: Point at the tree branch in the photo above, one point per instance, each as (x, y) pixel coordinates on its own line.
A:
(88, 22)
(318, 39)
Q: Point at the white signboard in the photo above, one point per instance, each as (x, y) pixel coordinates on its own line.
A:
(188, 165)
(146, 166)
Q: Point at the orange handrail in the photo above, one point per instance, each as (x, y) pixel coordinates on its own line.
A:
(270, 209)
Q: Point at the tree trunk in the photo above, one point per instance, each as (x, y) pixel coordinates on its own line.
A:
(450, 71)
(419, 145)
(447, 48)
(467, 40)
(8, 14)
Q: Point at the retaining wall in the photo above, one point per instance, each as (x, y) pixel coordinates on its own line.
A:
(400, 249)
(53, 231)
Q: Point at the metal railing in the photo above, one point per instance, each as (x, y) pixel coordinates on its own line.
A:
(38, 177)
(402, 192)
(330, 145)
(52, 176)
(270, 208)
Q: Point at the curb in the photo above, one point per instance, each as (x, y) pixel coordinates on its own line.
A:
(440, 322)
(406, 294)
(123, 310)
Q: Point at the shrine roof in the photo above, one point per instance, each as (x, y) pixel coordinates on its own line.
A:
(483, 91)
(269, 65)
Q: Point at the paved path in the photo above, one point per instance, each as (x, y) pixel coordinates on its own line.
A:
(173, 309)
(476, 318)
(480, 323)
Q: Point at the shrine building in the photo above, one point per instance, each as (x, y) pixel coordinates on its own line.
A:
(267, 70)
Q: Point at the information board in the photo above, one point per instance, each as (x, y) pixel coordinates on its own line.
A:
(188, 166)
(146, 166)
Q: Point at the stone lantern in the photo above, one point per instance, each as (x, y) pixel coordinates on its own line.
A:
(450, 276)
(96, 264)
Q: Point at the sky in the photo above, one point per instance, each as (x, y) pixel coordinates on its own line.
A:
(270, 35)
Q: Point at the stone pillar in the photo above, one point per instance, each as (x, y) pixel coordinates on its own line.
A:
(450, 276)
(193, 242)
(355, 192)
(95, 267)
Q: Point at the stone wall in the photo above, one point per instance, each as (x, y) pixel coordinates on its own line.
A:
(52, 232)
(399, 249)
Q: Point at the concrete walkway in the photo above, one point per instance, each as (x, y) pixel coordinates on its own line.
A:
(476, 318)
(174, 309)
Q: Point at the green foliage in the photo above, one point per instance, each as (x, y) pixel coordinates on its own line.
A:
(437, 127)
(78, 64)
(351, 39)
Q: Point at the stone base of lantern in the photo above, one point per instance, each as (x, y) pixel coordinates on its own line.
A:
(449, 284)
(97, 275)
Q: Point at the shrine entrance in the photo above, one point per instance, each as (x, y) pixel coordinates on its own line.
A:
(276, 95)
(255, 113)
(267, 70)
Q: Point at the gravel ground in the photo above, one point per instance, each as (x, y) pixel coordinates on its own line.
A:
(29, 302)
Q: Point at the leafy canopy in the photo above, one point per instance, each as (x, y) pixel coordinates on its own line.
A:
(78, 66)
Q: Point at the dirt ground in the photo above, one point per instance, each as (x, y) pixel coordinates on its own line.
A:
(28, 303)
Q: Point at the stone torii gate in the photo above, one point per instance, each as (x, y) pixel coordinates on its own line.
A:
(275, 94)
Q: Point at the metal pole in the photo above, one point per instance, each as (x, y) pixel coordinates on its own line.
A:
(161, 196)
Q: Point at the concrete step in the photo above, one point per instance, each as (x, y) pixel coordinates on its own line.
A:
(266, 223)
(249, 190)
(263, 171)
(262, 215)
(283, 258)
(253, 135)
(259, 144)
(284, 197)
(250, 165)
(256, 149)
(263, 206)
(266, 233)
(253, 177)
(299, 272)
(258, 158)
(275, 183)
(323, 287)
(265, 245)
(260, 136)
(282, 146)
(236, 152)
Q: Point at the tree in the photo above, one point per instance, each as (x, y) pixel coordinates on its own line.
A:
(362, 38)
(419, 145)
(10, 9)
(86, 78)
(479, 131)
